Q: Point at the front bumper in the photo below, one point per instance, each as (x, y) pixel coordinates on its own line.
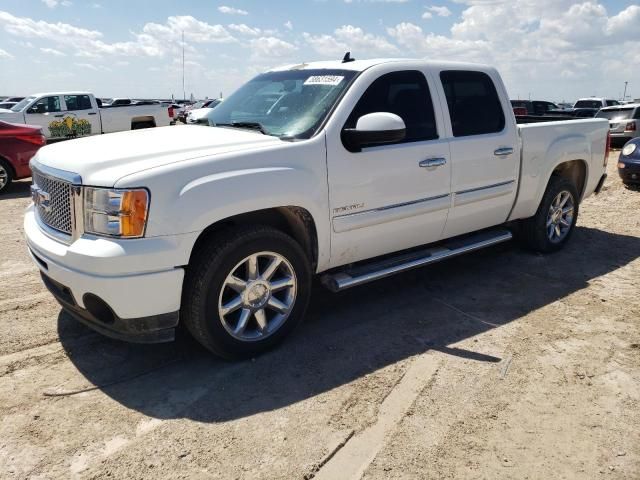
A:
(152, 329)
(127, 289)
(630, 173)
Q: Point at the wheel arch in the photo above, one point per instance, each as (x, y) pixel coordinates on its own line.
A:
(8, 163)
(573, 170)
(292, 220)
(143, 119)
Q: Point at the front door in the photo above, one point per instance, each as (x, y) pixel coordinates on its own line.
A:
(47, 113)
(387, 198)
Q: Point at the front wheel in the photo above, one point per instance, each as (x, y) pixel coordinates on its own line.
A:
(553, 224)
(246, 290)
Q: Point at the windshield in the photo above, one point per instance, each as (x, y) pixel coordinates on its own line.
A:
(616, 114)
(588, 104)
(292, 103)
(20, 105)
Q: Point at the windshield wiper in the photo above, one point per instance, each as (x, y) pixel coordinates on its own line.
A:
(248, 125)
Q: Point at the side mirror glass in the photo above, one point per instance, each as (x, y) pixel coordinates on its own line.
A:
(373, 129)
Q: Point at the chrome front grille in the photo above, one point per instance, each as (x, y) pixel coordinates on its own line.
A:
(53, 202)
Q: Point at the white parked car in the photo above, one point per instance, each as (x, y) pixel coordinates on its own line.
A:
(353, 171)
(624, 121)
(595, 102)
(199, 115)
(78, 114)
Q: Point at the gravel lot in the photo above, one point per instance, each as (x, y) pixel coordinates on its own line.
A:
(500, 364)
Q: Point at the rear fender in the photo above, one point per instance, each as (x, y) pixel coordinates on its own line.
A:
(537, 171)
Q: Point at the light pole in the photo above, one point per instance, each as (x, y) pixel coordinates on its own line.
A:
(184, 94)
(624, 95)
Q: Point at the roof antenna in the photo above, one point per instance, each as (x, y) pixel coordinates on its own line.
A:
(347, 58)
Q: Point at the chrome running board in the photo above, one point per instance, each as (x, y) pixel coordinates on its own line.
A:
(359, 274)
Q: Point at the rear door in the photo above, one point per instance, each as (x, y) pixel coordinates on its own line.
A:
(484, 150)
(81, 115)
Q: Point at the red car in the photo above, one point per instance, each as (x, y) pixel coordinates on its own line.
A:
(18, 143)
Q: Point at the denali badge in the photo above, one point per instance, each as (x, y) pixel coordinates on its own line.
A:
(40, 198)
(348, 208)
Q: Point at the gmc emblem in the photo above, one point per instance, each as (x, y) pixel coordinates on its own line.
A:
(40, 198)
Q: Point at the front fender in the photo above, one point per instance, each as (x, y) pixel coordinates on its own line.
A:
(193, 195)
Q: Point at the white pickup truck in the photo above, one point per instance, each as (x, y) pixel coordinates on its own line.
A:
(77, 114)
(353, 171)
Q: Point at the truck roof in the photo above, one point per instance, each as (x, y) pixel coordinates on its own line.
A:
(361, 65)
(624, 106)
(74, 92)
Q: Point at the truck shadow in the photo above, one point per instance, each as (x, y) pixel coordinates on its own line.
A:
(18, 189)
(349, 334)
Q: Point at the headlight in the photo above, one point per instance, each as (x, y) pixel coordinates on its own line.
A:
(629, 149)
(116, 213)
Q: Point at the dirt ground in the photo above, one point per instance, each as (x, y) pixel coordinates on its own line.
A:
(501, 364)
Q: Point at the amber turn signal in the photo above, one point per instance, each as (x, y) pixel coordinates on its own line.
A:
(133, 211)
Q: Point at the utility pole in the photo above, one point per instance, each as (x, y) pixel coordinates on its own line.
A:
(184, 94)
(624, 95)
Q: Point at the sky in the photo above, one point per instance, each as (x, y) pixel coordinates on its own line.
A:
(556, 50)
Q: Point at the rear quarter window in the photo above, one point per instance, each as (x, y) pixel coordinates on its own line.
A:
(474, 104)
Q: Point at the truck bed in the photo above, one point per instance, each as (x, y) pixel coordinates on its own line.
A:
(545, 144)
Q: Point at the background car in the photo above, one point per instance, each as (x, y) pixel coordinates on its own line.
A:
(629, 162)
(535, 107)
(595, 102)
(18, 143)
(199, 114)
(7, 105)
(623, 122)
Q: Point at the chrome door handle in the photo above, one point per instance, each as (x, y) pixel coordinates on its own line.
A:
(433, 162)
(58, 116)
(501, 152)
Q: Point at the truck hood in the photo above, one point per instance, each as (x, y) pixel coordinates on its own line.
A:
(11, 116)
(104, 159)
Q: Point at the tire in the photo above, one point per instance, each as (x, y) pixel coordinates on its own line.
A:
(142, 125)
(535, 231)
(207, 291)
(6, 176)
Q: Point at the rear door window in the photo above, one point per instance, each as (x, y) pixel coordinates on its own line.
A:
(474, 104)
(77, 102)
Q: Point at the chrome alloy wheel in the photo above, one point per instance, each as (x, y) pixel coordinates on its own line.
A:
(257, 296)
(560, 216)
(4, 177)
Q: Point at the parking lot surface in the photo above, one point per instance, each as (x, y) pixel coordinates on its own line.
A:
(498, 364)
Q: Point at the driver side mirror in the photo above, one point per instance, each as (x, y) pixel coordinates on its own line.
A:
(373, 129)
(36, 109)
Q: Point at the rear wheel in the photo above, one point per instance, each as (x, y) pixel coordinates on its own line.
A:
(141, 125)
(245, 291)
(553, 224)
(6, 176)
